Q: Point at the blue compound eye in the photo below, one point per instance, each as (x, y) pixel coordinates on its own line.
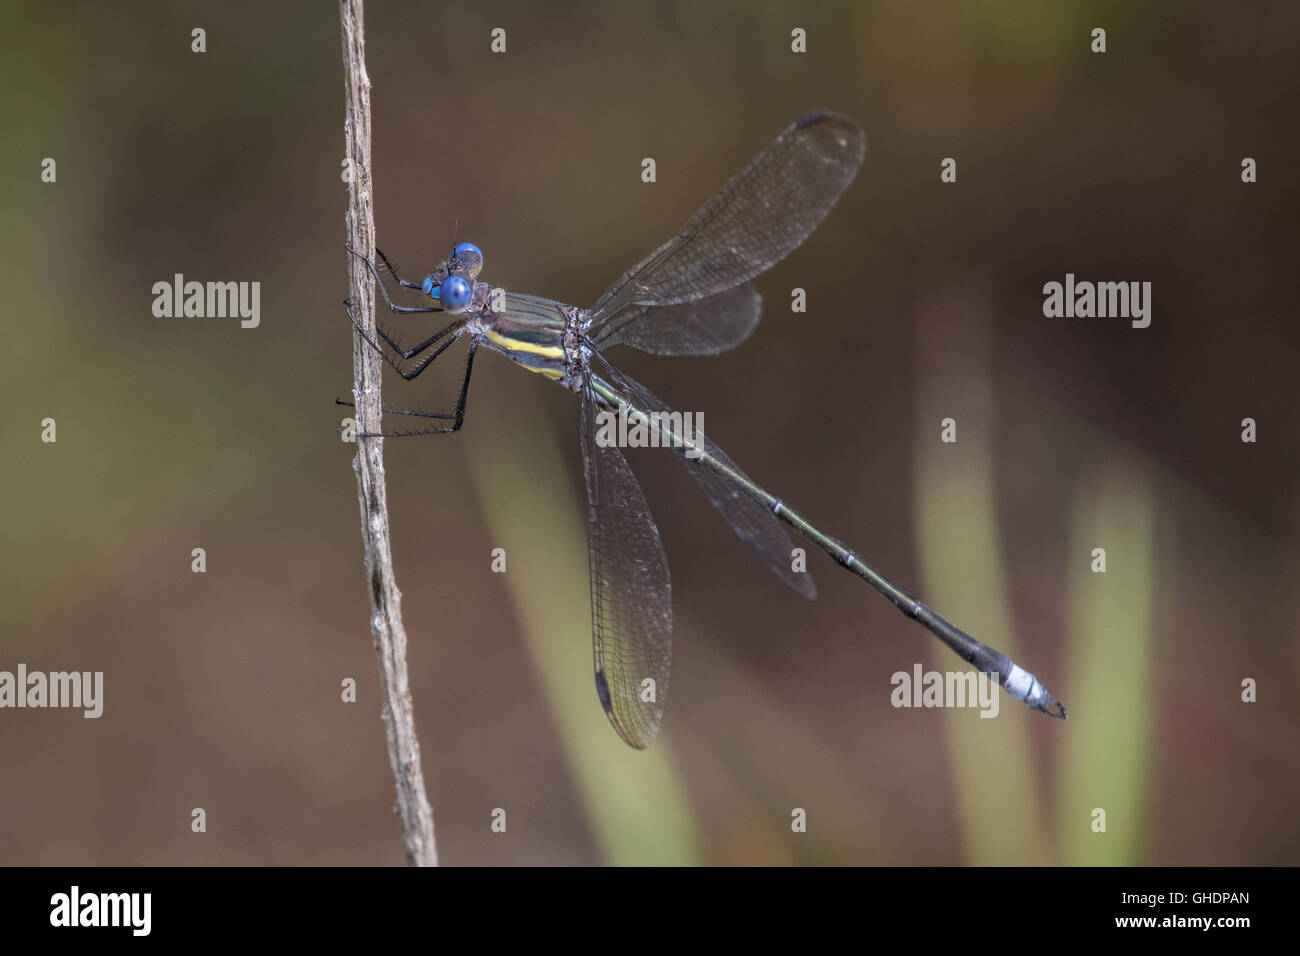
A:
(428, 288)
(468, 258)
(454, 295)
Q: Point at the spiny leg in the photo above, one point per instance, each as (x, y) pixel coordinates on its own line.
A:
(458, 417)
(399, 309)
(415, 350)
(407, 283)
(458, 326)
(400, 411)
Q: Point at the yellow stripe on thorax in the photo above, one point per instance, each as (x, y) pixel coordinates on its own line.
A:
(553, 352)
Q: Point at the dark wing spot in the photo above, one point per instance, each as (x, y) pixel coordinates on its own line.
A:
(602, 691)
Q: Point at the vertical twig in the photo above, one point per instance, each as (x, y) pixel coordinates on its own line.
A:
(385, 599)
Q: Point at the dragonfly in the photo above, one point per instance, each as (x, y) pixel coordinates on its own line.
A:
(693, 295)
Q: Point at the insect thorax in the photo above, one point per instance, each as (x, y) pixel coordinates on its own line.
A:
(577, 352)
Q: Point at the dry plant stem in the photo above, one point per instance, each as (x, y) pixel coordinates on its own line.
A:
(385, 599)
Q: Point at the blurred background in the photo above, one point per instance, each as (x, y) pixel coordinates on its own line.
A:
(222, 689)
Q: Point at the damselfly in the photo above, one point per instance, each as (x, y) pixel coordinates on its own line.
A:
(690, 296)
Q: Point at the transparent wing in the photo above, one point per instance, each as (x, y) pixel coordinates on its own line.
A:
(631, 593)
(761, 214)
(703, 327)
(745, 505)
